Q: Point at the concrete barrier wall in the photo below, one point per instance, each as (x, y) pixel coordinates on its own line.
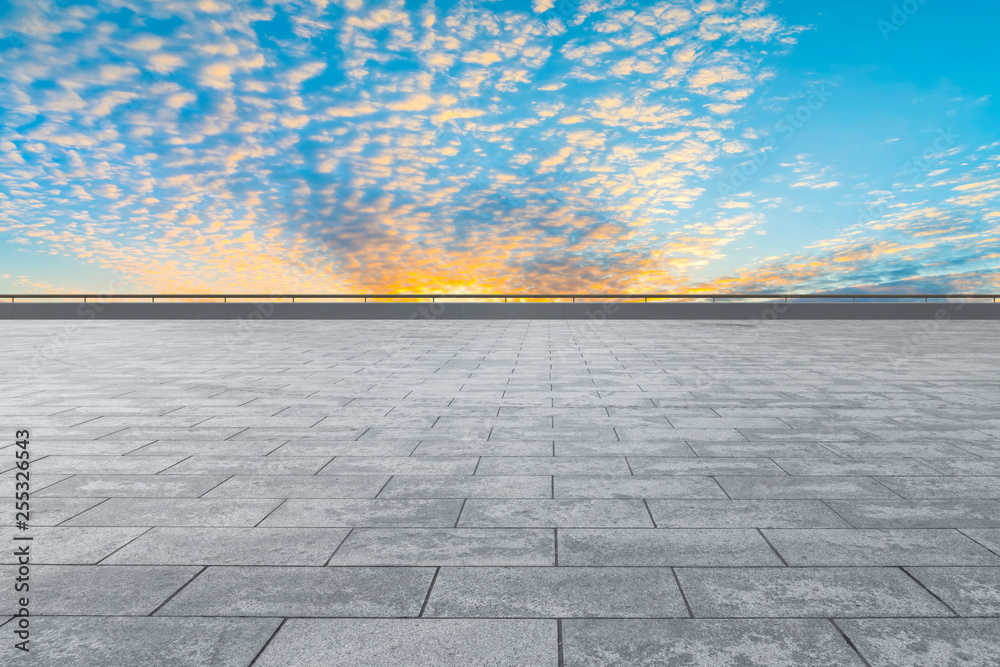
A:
(492, 311)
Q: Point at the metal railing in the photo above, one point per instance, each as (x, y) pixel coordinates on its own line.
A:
(434, 297)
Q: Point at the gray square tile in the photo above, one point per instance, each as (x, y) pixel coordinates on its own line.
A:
(438, 546)
(697, 643)
(988, 537)
(744, 514)
(944, 487)
(99, 590)
(642, 465)
(151, 642)
(926, 642)
(658, 448)
(345, 448)
(72, 546)
(555, 592)
(401, 465)
(663, 547)
(299, 486)
(464, 486)
(53, 511)
(231, 546)
(970, 591)
(803, 488)
(175, 512)
(381, 513)
(919, 513)
(304, 591)
(878, 547)
(553, 465)
(805, 592)
(614, 487)
(248, 465)
(412, 643)
(133, 486)
(853, 467)
(504, 513)
(438, 448)
(116, 465)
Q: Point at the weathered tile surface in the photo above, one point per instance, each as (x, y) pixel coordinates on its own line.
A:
(664, 547)
(465, 492)
(441, 546)
(152, 642)
(413, 643)
(566, 592)
(99, 590)
(876, 546)
(927, 642)
(697, 642)
(811, 591)
(231, 546)
(304, 591)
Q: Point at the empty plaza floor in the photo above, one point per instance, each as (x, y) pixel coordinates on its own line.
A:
(536, 493)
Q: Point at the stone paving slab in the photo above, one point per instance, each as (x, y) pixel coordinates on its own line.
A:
(480, 513)
(246, 465)
(925, 642)
(439, 546)
(801, 488)
(969, 591)
(99, 590)
(176, 512)
(377, 513)
(133, 486)
(53, 511)
(919, 513)
(664, 547)
(464, 486)
(512, 493)
(328, 592)
(872, 546)
(119, 465)
(413, 643)
(744, 514)
(231, 546)
(622, 487)
(806, 592)
(120, 641)
(698, 643)
(73, 546)
(556, 592)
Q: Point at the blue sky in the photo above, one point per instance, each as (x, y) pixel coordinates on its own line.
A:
(499, 146)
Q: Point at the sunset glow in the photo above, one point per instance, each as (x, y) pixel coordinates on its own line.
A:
(489, 146)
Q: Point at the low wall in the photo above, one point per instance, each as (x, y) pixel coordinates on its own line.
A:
(493, 311)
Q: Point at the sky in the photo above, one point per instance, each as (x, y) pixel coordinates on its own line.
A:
(478, 146)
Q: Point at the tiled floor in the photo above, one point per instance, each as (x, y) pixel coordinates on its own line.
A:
(506, 493)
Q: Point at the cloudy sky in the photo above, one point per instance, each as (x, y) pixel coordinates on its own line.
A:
(494, 145)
